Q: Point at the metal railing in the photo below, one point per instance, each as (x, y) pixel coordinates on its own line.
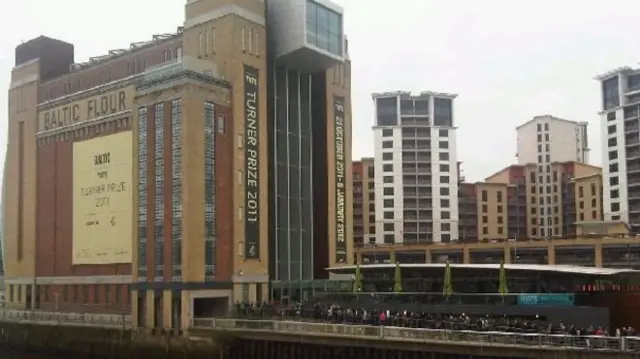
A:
(78, 319)
(494, 338)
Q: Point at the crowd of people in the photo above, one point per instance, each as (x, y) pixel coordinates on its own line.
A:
(455, 321)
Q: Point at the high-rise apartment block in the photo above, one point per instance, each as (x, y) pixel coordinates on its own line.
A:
(364, 214)
(620, 131)
(416, 174)
(547, 138)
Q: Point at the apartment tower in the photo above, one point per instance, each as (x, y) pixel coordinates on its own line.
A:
(620, 131)
(416, 169)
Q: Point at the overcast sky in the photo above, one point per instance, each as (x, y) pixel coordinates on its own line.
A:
(508, 60)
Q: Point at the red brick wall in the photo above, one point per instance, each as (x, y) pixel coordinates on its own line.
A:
(55, 222)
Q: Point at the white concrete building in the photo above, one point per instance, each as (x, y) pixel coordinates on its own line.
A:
(547, 138)
(416, 177)
(620, 131)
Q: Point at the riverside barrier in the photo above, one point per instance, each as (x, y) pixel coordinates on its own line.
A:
(73, 319)
(423, 335)
(354, 331)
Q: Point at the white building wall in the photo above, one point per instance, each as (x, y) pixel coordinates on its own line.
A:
(563, 140)
(452, 185)
(567, 140)
(379, 184)
(621, 173)
(527, 143)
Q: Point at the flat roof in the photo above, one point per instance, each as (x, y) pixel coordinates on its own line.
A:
(523, 267)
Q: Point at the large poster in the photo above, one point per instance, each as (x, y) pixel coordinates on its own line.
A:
(252, 163)
(340, 180)
(102, 200)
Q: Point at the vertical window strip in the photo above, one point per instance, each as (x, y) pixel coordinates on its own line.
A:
(159, 191)
(176, 190)
(209, 190)
(142, 194)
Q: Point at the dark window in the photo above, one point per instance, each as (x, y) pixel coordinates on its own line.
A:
(444, 191)
(444, 168)
(387, 191)
(387, 132)
(388, 227)
(443, 112)
(387, 168)
(611, 129)
(387, 144)
(613, 168)
(610, 93)
(387, 215)
(612, 142)
(387, 156)
(387, 203)
(443, 156)
(485, 195)
(387, 111)
(387, 179)
(611, 116)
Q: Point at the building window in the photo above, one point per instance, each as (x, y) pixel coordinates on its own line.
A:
(387, 132)
(387, 144)
(387, 156)
(485, 195)
(142, 193)
(209, 191)
(443, 156)
(159, 191)
(176, 190)
(387, 168)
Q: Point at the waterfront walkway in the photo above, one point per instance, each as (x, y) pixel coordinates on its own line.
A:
(354, 332)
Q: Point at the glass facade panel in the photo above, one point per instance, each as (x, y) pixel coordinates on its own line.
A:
(324, 28)
(293, 203)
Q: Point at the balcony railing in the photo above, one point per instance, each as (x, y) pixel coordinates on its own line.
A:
(422, 335)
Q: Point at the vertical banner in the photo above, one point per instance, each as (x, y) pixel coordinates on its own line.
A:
(340, 180)
(252, 164)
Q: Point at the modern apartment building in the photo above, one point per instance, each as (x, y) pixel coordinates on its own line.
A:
(520, 203)
(364, 213)
(233, 138)
(620, 131)
(416, 174)
(546, 139)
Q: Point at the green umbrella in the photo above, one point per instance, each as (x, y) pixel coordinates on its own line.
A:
(502, 286)
(397, 279)
(447, 287)
(357, 282)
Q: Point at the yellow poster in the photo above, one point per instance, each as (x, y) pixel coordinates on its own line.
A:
(102, 200)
